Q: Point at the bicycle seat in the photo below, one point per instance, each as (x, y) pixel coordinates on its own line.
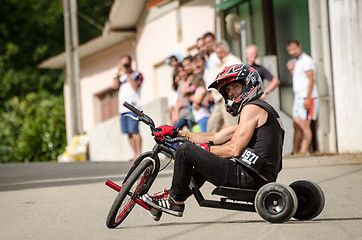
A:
(241, 194)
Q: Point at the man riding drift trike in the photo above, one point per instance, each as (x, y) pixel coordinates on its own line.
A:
(247, 155)
(243, 161)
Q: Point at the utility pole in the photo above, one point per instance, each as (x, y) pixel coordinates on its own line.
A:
(72, 66)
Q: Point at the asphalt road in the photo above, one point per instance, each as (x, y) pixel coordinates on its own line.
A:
(70, 201)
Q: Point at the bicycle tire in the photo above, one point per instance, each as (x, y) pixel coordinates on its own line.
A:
(276, 203)
(135, 186)
(310, 199)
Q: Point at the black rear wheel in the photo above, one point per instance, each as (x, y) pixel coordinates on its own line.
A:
(135, 186)
(310, 199)
(276, 203)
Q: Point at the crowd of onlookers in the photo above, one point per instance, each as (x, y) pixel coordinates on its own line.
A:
(202, 109)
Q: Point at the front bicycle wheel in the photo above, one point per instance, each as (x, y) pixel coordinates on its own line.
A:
(135, 186)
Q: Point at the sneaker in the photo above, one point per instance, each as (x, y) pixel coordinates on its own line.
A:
(155, 214)
(164, 203)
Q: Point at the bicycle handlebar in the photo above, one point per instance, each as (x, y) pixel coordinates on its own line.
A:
(176, 140)
(141, 116)
(133, 109)
(147, 120)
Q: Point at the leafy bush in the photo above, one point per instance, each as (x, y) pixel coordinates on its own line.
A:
(32, 129)
(32, 118)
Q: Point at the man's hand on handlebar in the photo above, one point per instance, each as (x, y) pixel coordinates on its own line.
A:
(205, 146)
(164, 131)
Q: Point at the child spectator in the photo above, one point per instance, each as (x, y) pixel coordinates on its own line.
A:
(196, 93)
(181, 116)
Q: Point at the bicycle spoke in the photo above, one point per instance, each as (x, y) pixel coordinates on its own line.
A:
(125, 210)
(128, 197)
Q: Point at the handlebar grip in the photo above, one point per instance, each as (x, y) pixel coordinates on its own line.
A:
(176, 140)
(132, 108)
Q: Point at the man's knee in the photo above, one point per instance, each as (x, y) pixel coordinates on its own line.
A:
(183, 150)
(305, 125)
(296, 123)
(184, 147)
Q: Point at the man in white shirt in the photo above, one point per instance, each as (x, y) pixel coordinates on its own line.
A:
(212, 61)
(219, 117)
(128, 82)
(305, 108)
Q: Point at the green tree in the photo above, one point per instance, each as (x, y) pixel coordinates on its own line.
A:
(30, 32)
(33, 128)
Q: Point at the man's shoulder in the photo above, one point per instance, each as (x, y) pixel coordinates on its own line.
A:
(137, 76)
(233, 59)
(213, 59)
(305, 58)
(255, 106)
(136, 73)
(230, 60)
(263, 72)
(260, 104)
(253, 113)
(257, 66)
(133, 74)
(306, 62)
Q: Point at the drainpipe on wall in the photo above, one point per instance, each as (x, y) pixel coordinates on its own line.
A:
(72, 66)
(218, 22)
(321, 54)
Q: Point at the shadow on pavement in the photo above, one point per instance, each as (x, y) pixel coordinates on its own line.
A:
(293, 221)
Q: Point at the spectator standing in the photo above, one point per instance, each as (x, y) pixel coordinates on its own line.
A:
(201, 47)
(226, 58)
(199, 64)
(251, 56)
(305, 108)
(188, 66)
(212, 61)
(173, 59)
(219, 116)
(175, 82)
(128, 82)
(197, 94)
(181, 116)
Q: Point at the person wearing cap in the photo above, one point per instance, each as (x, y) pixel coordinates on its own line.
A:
(174, 59)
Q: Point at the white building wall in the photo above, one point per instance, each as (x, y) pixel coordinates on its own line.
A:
(321, 54)
(154, 41)
(346, 34)
(106, 143)
(158, 37)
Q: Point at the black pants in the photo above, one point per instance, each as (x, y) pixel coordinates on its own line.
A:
(191, 161)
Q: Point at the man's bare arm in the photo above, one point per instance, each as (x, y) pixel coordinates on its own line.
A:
(310, 76)
(217, 138)
(133, 83)
(251, 117)
(116, 84)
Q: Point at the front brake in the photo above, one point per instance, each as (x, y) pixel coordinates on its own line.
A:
(133, 117)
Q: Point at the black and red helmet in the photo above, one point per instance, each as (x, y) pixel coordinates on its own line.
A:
(252, 86)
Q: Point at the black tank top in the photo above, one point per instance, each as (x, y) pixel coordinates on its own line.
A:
(267, 142)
